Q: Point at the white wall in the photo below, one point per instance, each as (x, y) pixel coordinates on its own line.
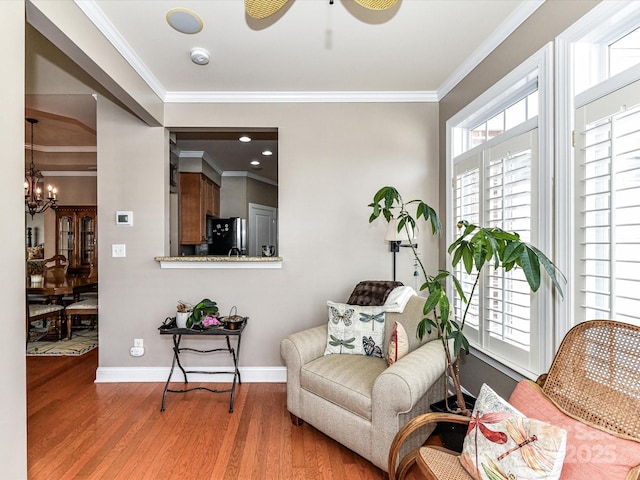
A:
(332, 158)
(326, 182)
(13, 411)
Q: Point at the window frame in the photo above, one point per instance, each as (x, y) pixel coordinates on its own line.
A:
(491, 101)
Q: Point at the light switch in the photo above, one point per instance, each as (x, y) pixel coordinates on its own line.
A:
(118, 250)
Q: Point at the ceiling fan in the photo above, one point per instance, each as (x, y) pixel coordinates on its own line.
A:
(263, 8)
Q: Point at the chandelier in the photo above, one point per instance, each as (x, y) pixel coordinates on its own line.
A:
(34, 199)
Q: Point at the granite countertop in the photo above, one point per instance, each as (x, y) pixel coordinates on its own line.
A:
(212, 261)
(213, 258)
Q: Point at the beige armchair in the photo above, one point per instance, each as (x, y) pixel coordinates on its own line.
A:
(360, 401)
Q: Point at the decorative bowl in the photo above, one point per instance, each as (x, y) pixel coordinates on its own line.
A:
(233, 322)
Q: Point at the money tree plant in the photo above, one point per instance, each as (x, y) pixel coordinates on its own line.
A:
(476, 248)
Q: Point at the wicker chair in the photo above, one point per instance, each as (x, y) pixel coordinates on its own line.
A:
(594, 379)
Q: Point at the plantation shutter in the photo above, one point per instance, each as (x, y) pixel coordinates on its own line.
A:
(467, 198)
(607, 209)
(495, 188)
(509, 190)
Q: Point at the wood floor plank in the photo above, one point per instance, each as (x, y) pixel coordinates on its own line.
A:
(78, 430)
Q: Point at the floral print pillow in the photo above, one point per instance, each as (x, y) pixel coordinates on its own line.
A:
(503, 444)
(355, 330)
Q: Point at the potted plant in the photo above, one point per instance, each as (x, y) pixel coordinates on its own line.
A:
(183, 311)
(476, 247)
(35, 269)
(203, 315)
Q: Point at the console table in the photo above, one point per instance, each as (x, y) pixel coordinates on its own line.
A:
(178, 333)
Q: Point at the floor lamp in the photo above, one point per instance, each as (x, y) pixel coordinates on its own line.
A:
(396, 238)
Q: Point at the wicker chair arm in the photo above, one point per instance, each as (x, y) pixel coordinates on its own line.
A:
(406, 431)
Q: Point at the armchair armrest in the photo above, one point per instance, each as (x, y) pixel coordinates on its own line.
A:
(406, 381)
(297, 350)
(300, 348)
(406, 431)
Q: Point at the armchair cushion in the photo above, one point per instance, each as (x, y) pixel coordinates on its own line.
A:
(355, 330)
(332, 378)
(591, 453)
(398, 344)
(501, 440)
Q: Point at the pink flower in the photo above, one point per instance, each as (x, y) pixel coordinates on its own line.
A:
(210, 321)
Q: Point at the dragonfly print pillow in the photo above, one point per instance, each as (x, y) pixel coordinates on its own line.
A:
(355, 330)
(501, 443)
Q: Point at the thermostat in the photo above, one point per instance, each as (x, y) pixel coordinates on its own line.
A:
(124, 218)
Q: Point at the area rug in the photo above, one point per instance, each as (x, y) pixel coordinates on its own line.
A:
(81, 342)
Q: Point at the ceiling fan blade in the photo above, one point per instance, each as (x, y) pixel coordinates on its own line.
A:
(263, 8)
(377, 4)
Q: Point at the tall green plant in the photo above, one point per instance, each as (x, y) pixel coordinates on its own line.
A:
(476, 247)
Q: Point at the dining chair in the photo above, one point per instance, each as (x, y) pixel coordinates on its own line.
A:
(83, 308)
(51, 313)
(56, 268)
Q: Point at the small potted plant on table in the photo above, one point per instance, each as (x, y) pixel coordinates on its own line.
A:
(35, 270)
(183, 311)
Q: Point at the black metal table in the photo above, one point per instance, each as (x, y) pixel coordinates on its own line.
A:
(178, 333)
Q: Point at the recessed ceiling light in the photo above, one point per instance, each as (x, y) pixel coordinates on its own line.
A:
(184, 20)
(199, 56)
(255, 162)
(266, 153)
(245, 138)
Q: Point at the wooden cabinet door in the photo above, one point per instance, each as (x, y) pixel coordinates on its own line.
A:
(192, 214)
(215, 205)
(199, 197)
(76, 237)
(87, 235)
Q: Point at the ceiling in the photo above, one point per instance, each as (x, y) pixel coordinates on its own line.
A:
(310, 50)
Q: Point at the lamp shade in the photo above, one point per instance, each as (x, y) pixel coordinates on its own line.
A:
(393, 235)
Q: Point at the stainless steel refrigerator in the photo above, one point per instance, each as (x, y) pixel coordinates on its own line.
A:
(227, 236)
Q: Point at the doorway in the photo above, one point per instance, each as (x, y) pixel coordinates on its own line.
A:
(263, 229)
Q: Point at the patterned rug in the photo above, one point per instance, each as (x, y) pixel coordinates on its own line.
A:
(81, 342)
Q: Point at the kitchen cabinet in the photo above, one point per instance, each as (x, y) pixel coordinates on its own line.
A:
(76, 237)
(199, 197)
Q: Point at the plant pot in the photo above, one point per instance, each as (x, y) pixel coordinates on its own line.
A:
(181, 319)
(452, 434)
(36, 279)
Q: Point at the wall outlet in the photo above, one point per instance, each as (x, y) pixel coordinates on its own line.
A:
(136, 351)
(118, 250)
(138, 342)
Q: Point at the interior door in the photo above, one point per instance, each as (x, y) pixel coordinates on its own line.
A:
(262, 229)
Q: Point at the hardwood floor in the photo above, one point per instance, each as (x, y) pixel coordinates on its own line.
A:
(81, 430)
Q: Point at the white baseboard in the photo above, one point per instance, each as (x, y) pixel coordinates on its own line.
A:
(160, 374)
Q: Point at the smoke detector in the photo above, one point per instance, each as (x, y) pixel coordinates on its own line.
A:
(199, 56)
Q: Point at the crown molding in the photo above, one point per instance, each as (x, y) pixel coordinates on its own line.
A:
(506, 28)
(199, 155)
(63, 148)
(242, 173)
(102, 23)
(70, 173)
(302, 97)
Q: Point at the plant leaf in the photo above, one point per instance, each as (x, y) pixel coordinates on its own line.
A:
(531, 267)
(551, 270)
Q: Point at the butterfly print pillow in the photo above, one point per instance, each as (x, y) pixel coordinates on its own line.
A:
(354, 329)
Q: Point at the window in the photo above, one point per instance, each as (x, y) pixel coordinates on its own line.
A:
(608, 210)
(624, 53)
(499, 162)
(598, 204)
